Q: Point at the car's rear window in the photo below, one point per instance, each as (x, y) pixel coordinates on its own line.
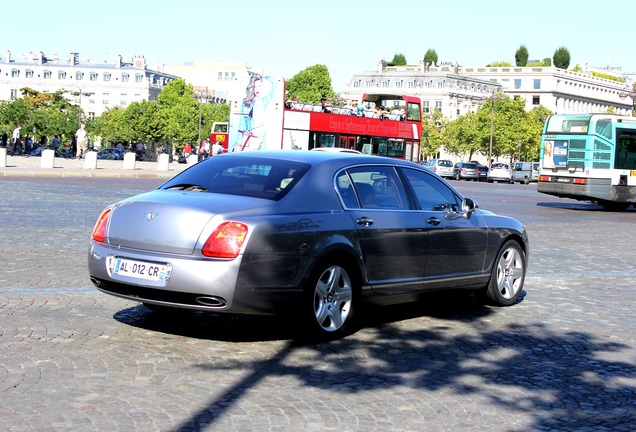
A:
(257, 177)
(470, 165)
(445, 163)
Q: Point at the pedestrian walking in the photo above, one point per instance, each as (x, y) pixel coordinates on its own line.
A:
(80, 135)
(16, 144)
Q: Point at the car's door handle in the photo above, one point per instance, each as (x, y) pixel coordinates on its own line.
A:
(364, 221)
(433, 221)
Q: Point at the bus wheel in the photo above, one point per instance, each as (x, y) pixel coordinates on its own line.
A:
(614, 206)
(508, 275)
(526, 180)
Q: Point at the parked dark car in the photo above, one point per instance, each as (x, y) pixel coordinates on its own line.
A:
(483, 172)
(466, 171)
(308, 233)
(111, 154)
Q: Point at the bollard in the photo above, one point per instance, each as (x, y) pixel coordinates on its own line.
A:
(48, 159)
(130, 160)
(3, 157)
(163, 163)
(90, 160)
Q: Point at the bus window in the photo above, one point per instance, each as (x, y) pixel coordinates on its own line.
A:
(626, 150)
(413, 112)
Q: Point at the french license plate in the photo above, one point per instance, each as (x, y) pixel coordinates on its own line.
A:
(563, 180)
(632, 173)
(140, 269)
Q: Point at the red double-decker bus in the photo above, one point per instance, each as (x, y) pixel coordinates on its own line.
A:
(380, 124)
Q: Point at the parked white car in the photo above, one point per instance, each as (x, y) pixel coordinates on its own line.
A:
(500, 172)
(443, 167)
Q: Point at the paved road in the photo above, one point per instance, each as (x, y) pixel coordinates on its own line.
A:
(563, 358)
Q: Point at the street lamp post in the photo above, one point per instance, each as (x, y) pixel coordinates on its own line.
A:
(631, 92)
(80, 92)
(201, 94)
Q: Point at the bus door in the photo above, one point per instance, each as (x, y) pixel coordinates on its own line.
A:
(348, 142)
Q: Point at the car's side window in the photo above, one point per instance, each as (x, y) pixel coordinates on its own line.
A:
(431, 193)
(377, 187)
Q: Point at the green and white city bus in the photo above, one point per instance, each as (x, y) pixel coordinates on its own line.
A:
(589, 157)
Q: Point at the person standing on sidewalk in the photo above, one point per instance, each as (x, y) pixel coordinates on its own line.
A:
(80, 135)
(15, 140)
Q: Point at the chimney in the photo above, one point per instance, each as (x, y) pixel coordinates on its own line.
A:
(139, 62)
(118, 61)
(8, 56)
(382, 66)
(41, 58)
(74, 60)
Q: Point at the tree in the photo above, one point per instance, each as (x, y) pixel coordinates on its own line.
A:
(521, 56)
(311, 85)
(431, 57)
(398, 60)
(561, 58)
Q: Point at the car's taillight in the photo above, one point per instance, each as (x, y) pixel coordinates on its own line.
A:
(226, 240)
(99, 231)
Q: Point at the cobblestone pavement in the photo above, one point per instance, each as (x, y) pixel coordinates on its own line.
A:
(71, 358)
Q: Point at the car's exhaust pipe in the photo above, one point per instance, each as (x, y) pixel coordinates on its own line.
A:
(211, 301)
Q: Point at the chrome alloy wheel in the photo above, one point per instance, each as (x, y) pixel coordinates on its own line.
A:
(333, 297)
(510, 273)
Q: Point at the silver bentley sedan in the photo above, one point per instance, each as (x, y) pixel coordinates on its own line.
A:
(318, 234)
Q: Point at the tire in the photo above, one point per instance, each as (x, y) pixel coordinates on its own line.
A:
(508, 275)
(526, 180)
(457, 177)
(330, 300)
(614, 206)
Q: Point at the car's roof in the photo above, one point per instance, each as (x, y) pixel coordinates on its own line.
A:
(313, 157)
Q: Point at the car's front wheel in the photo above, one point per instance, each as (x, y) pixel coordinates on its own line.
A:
(508, 275)
(330, 297)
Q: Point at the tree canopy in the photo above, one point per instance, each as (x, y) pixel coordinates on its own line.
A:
(561, 58)
(398, 60)
(521, 56)
(311, 84)
(431, 57)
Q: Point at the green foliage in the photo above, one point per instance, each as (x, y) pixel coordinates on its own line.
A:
(577, 68)
(431, 57)
(561, 58)
(398, 60)
(608, 76)
(499, 64)
(521, 56)
(311, 85)
(469, 134)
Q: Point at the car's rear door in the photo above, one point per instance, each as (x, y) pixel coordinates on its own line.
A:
(393, 239)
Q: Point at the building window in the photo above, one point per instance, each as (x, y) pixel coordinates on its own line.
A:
(233, 75)
(537, 84)
(425, 106)
(368, 84)
(227, 76)
(91, 101)
(106, 76)
(356, 84)
(28, 73)
(139, 78)
(517, 84)
(47, 74)
(385, 84)
(61, 75)
(125, 77)
(427, 84)
(536, 100)
(14, 94)
(410, 84)
(93, 76)
(79, 76)
(438, 106)
(398, 84)
(15, 73)
(219, 76)
(440, 84)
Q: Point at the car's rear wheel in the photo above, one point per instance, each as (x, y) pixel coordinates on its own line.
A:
(508, 275)
(331, 296)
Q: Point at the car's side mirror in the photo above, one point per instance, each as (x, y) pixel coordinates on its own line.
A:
(468, 207)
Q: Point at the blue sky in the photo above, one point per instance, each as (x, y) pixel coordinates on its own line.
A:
(348, 36)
